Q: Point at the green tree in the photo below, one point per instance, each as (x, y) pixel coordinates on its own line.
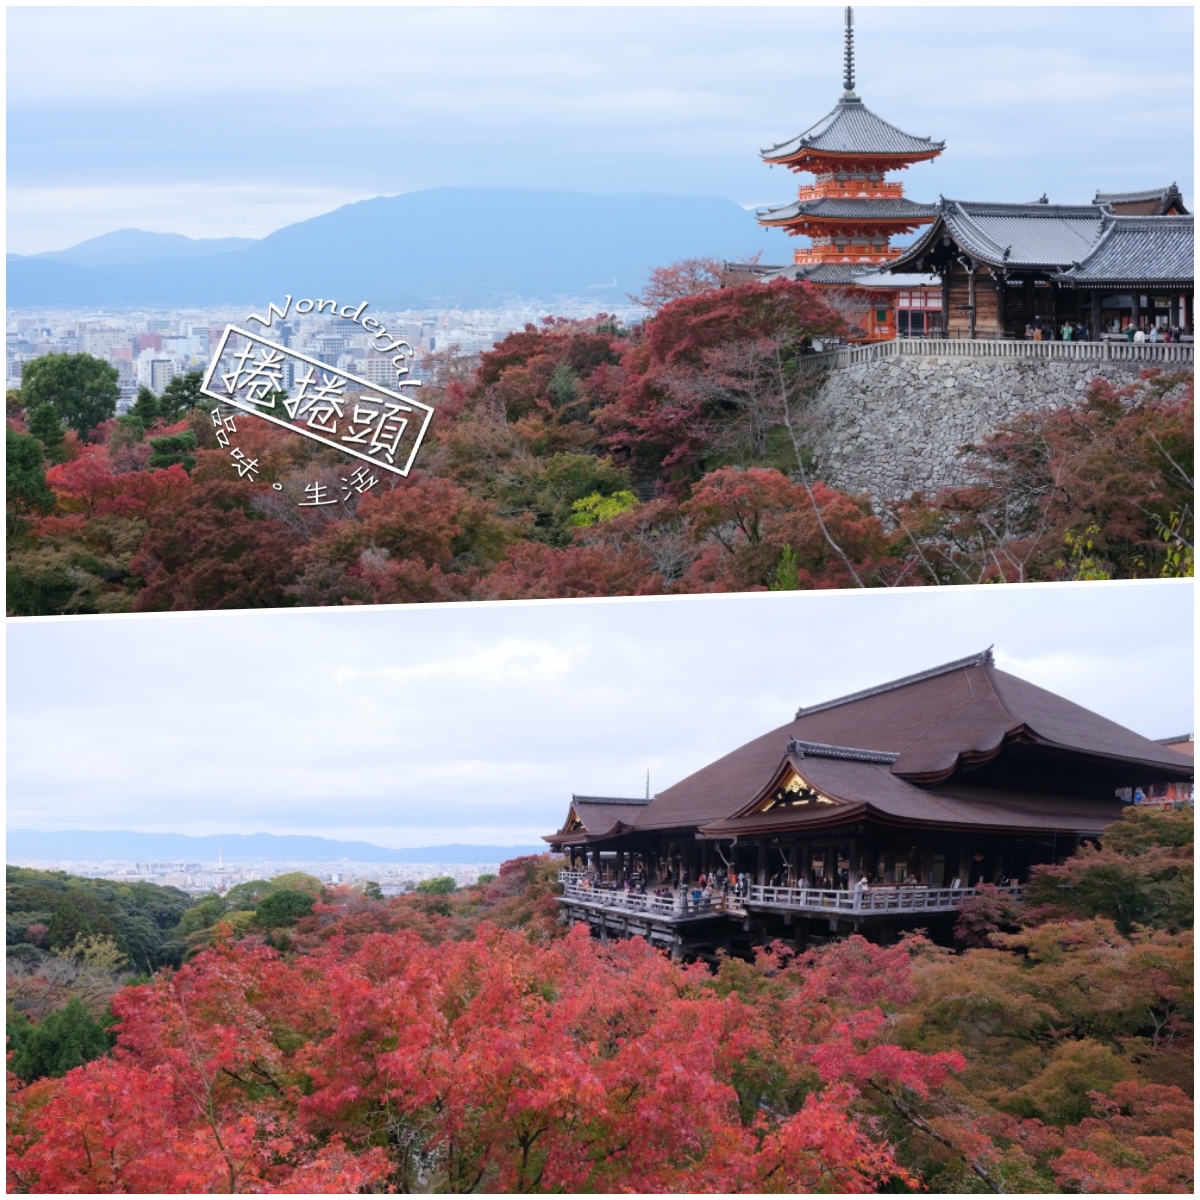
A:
(81, 913)
(594, 509)
(46, 425)
(166, 451)
(372, 890)
(245, 896)
(204, 914)
(284, 907)
(25, 489)
(82, 389)
(443, 885)
(66, 1039)
(299, 881)
(146, 407)
(787, 572)
(181, 394)
(1143, 873)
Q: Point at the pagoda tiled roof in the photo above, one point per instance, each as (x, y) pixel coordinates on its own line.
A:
(1150, 251)
(1039, 235)
(834, 208)
(860, 275)
(1164, 198)
(852, 128)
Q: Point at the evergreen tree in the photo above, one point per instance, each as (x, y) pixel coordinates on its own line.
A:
(82, 389)
(146, 407)
(66, 1039)
(46, 425)
(180, 395)
(25, 489)
(173, 449)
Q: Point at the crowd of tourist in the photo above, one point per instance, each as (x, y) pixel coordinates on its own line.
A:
(1078, 331)
(726, 883)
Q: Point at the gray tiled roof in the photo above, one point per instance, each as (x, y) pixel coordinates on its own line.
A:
(1013, 235)
(1142, 250)
(814, 273)
(825, 206)
(852, 128)
(863, 275)
(1164, 196)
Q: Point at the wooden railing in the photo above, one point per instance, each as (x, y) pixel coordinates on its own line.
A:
(676, 907)
(577, 888)
(870, 900)
(1143, 352)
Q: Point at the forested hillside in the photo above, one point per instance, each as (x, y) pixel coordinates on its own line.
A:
(467, 1042)
(580, 459)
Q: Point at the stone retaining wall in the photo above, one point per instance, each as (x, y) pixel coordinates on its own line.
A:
(894, 426)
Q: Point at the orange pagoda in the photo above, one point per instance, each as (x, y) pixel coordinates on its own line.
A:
(851, 212)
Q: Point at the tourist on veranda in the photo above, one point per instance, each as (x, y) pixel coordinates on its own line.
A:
(1140, 336)
(1067, 331)
(1153, 333)
(1029, 333)
(1081, 334)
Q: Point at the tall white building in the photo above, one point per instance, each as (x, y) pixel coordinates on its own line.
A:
(155, 371)
(101, 342)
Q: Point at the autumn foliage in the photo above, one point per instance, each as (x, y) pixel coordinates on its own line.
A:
(693, 434)
(468, 1042)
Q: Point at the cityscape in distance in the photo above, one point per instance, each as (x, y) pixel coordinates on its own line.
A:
(215, 863)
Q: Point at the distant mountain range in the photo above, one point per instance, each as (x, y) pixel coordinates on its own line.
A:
(135, 247)
(24, 845)
(477, 247)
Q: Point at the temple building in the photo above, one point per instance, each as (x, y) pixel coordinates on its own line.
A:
(1006, 268)
(873, 811)
(980, 269)
(852, 211)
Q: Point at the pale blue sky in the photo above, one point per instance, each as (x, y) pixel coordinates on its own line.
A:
(430, 724)
(234, 121)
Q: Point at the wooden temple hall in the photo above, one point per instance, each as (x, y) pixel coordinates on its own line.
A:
(875, 811)
(978, 269)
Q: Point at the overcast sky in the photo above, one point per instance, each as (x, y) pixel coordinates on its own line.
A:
(424, 725)
(236, 121)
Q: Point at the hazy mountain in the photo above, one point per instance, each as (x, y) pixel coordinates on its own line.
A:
(125, 845)
(135, 247)
(443, 246)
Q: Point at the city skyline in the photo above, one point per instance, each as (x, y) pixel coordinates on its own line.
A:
(111, 124)
(427, 724)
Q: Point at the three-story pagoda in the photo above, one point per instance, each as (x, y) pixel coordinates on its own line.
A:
(852, 211)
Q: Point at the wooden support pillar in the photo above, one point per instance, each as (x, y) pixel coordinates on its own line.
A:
(762, 862)
(1096, 318)
(854, 864)
(926, 876)
(620, 868)
(971, 299)
(805, 861)
(964, 865)
(998, 864)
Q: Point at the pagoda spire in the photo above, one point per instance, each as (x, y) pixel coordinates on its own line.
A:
(848, 81)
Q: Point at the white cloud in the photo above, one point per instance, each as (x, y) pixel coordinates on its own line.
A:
(474, 723)
(358, 102)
